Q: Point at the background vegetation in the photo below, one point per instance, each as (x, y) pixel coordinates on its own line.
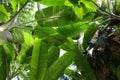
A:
(32, 39)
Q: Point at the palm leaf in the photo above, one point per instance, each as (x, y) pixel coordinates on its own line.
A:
(39, 60)
(84, 67)
(55, 16)
(57, 69)
(3, 64)
(91, 29)
(53, 55)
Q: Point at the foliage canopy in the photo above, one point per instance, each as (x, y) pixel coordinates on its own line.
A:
(32, 39)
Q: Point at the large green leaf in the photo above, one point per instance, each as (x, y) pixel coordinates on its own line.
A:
(49, 35)
(84, 67)
(91, 29)
(72, 29)
(53, 2)
(69, 45)
(53, 55)
(44, 32)
(39, 60)
(55, 40)
(80, 60)
(55, 16)
(57, 69)
(89, 5)
(3, 67)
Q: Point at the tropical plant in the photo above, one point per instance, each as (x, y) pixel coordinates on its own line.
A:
(65, 40)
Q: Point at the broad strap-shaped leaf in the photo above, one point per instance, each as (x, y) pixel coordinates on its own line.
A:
(55, 16)
(53, 55)
(57, 69)
(79, 60)
(84, 67)
(39, 60)
(91, 29)
(3, 64)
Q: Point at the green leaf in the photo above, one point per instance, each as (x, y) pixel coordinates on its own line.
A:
(84, 66)
(90, 6)
(14, 4)
(9, 50)
(80, 60)
(39, 60)
(53, 2)
(3, 68)
(117, 7)
(50, 36)
(55, 16)
(79, 12)
(23, 1)
(4, 14)
(72, 29)
(43, 32)
(57, 69)
(55, 40)
(69, 45)
(28, 39)
(28, 43)
(53, 55)
(84, 8)
(89, 16)
(67, 3)
(92, 28)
